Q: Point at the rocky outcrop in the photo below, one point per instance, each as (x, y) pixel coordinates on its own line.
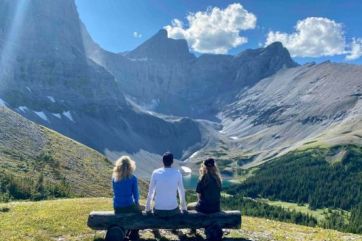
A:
(161, 48)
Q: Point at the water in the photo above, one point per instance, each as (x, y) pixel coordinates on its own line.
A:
(190, 182)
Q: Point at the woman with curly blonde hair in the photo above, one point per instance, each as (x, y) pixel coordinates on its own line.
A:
(125, 189)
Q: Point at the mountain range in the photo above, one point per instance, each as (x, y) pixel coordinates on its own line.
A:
(247, 108)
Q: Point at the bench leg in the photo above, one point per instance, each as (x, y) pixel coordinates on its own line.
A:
(213, 233)
(115, 233)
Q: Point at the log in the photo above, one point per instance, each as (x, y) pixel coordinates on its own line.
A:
(103, 220)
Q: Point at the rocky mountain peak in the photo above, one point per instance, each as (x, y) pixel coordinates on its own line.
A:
(275, 51)
(256, 64)
(278, 50)
(162, 48)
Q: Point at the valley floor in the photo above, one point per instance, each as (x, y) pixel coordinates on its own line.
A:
(64, 220)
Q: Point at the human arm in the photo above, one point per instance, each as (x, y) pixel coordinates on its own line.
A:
(113, 187)
(181, 193)
(199, 188)
(151, 193)
(135, 191)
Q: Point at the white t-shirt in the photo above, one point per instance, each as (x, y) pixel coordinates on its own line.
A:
(164, 185)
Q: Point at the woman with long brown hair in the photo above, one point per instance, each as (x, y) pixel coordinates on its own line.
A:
(209, 188)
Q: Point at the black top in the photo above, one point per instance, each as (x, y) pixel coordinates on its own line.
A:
(209, 191)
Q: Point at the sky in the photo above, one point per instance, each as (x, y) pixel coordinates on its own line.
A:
(312, 30)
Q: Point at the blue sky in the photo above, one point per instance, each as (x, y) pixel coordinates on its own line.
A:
(329, 29)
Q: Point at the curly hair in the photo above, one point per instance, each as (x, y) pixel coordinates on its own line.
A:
(123, 168)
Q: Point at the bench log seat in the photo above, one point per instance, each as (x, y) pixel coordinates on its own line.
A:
(107, 220)
(195, 220)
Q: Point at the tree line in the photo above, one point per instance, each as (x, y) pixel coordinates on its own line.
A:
(26, 188)
(309, 177)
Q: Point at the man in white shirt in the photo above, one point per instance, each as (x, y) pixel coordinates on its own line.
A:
(164, 185)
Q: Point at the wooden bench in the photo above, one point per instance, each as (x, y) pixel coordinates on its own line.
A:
(213, 223)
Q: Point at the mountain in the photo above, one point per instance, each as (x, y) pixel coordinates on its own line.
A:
(247, 108)
(161, 48)
(307, 105)
(163, 76)
(47, 76)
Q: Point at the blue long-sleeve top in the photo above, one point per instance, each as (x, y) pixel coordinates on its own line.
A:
(125, 192)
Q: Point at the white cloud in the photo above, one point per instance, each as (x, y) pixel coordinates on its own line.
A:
(214, 30)
(137, 35)
(356, 49)
(314, 37)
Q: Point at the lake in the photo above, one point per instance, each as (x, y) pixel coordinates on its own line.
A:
(190, 182)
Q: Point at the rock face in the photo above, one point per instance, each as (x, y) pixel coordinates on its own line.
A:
(162, 75)
(162, 49)
(47, 76)
(46, 58)
(298, 107)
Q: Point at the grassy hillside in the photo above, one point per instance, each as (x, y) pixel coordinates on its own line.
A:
(66, 220)
(38, 163)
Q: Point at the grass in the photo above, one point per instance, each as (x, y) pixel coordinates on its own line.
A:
(47, 220)
(66, 220)
(28, 150)
(319, 214)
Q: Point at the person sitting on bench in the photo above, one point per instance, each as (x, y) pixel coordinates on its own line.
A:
(208, 188)
(164, 185)
(125, 189)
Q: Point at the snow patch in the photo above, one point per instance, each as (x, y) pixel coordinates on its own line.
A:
(185, 170)
(23, 108)
(139, 59)
(194, 154)
(42, 115)
(59, 116)
(153, 105)
(2, 102)
(51, 98)
(68, 115)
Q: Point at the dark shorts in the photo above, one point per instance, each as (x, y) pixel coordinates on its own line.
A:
(208, 208)
(130, 209)
(166, 213)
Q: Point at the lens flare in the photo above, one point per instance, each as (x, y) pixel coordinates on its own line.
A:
(11, 40)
